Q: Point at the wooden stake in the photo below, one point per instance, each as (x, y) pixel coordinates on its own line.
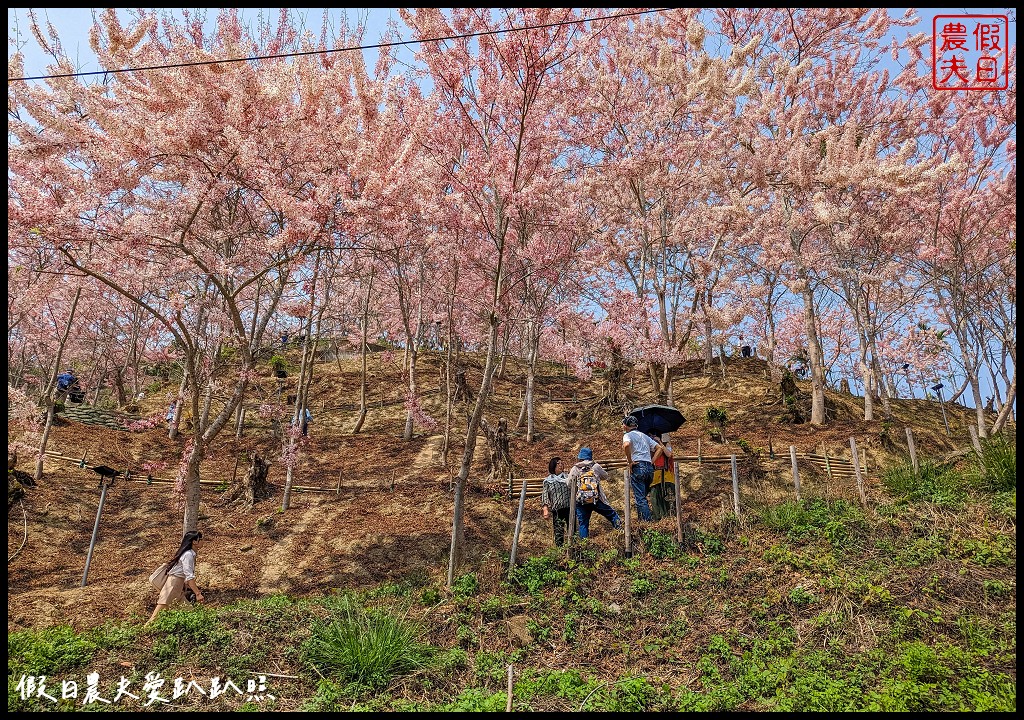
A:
(572, 515)
(735, 488)
(856, 467)
(679, 510)
(913, 451)
(796, 473)
(627, 511)
(519, 525)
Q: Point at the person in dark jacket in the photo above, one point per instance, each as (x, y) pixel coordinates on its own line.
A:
(66, 379)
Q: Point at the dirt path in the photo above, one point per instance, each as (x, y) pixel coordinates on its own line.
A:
(429, 456)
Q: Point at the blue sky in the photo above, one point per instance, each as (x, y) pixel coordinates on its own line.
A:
(73, 24)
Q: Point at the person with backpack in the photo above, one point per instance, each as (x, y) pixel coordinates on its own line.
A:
(586, 476)
(640, 449)
(554, 499)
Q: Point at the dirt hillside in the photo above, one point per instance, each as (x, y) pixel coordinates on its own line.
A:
(385, 508)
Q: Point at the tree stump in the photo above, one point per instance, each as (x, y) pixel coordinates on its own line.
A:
(253, 487)
(461, 391)
(790, 398)
(17, 480)
(844, 386)
(500, 460)
(615, 376)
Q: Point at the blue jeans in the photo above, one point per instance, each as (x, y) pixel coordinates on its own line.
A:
(640, 483)
(583, 513)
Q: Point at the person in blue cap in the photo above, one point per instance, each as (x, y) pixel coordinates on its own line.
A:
(587, 477)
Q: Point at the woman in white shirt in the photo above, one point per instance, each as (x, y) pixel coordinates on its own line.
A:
(181, 573)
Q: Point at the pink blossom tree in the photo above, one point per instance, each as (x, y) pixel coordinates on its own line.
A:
(817, 121)
(189, 191)
(652, 117)
(494, 144)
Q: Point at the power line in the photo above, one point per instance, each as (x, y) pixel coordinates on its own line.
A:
(346, 49)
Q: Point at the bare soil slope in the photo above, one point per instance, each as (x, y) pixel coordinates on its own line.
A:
(386, 512)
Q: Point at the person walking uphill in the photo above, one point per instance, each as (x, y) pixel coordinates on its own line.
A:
(67, 383)
(181, 574)
(554, 497)
(639, 449)
(587, 477)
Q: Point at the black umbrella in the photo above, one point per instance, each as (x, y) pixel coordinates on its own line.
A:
(660, 419)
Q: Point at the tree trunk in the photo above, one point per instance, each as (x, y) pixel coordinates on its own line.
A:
(179, 402)
(708, 349)
(504, 355)
(190, 520)
(363, 351)
(407, 433)
(1006, 411)
(50, 400)
(297, 417)
(859, 311)
(473, 426)
(119, 389)
(500, 458)
(412, 342)
(253, 486)
(99, 382)
(531, 378)
(616, 376)
(813, 351)
(207, 401)
(449, 360)
(50, 412)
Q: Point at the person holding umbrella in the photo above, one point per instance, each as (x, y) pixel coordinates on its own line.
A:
(639, 449)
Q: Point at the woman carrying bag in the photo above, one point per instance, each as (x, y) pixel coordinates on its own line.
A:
(180, 574)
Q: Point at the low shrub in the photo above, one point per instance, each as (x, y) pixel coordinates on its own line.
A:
(368, 648)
